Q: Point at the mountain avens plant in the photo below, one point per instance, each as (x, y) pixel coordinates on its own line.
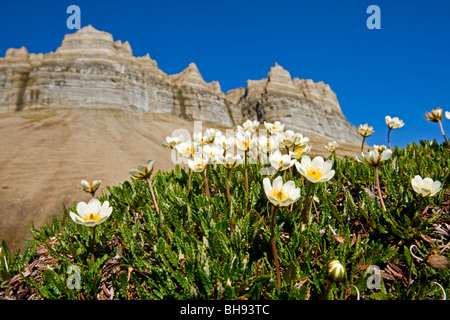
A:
(238, 232)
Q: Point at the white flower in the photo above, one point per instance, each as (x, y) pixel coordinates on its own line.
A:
(274, 128)
(201, 139)
(90, 187)
(300, 140)
(280, 194)
(435, 115)
(229, 161)
(316, 170)
(92, 213)
(198, 163)
(425, 187)
(332, 146)
(299, 151)
(447, 114)
(171, 142)
(245, 141)
(379, 148)
(143, 172)
(281, 161)
(212, 152)
(286, 138)
(270, 144)
(210, 134)
(393, 123)
(373, 157)
(187, 149)
(365, 130)
(249, 125)
(224, 142)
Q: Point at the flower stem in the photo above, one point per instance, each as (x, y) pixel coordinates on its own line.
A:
(443, 133)
(379, 189)
(388, 138)
(327, 290)
(189, 179)
(206, 183)
(362, 145)
(93, 243)
(227, 185)
(246, 178)
(153, 195)
(305, 212)
(274, 248)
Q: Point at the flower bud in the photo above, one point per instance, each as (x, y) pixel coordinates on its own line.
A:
(336, 271)
(437, 261)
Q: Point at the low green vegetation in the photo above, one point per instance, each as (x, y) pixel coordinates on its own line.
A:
(202, 246)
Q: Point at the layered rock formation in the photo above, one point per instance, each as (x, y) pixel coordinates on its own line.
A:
(92, 70)
(303, 105)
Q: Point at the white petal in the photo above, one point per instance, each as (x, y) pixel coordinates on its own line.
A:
(94, 205)
(318, 162)
(267, 186)
(386, 154)
(82, 208)
(306, 160)
(75, 217)
(289, 186)
(327, 176)
(278, 182)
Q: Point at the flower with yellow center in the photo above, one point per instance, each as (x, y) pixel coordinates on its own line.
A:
(365, 130)
(425, 187)
(317, 170)
(143, 172)
(229, 161)
(300, 140)
(394, 123)
(245, 140)
(212, 152)
(287, 138)
(187, 149)
(171, 142)
(91, 186)
(300, 151)
(332, 146)
(279, 194)
(249, 125)
(267, 145)
(434, 116)
(374, 157)
(198, 163)
(224, 142)
(274, 128)
(281, 161)
(92, 213)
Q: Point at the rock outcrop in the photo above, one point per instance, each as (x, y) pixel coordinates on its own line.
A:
(92, 70)
(303, 105)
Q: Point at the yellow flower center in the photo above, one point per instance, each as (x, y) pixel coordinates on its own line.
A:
(92, 216)
(200, 165)
(315, 173)
(279, 194)
(298, 151)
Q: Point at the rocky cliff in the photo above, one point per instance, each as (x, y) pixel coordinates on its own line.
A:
(92, 70)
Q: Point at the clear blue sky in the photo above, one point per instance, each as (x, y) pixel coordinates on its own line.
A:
(402, 69)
